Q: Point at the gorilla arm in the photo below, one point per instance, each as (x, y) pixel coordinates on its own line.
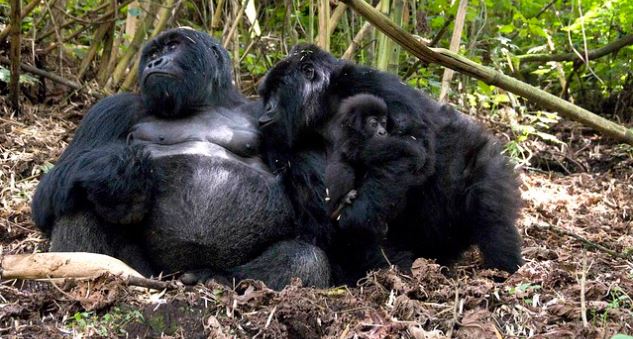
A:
(97, 165)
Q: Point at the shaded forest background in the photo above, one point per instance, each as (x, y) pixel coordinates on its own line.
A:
(577, 223)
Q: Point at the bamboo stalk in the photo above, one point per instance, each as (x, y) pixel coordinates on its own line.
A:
(324, 27)
(164, 14)
(490, 76)
(14, 83)
(92, 52)
(236, 21)
(137, 40)
(384, 44)
(456, 38)
(216, 21)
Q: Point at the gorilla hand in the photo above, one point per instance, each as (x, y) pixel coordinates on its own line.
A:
(119, 183)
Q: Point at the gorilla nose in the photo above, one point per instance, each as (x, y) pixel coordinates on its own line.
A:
(156, 63)
(382, 132)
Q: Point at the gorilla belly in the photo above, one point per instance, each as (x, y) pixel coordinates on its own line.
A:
(213, 212)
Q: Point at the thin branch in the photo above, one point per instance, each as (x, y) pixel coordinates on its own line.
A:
(45, 74)
(97, 20)
(31, 6)
(584, 240)
(236, 21)
(364, 30)
(590, 55)
(356, 41)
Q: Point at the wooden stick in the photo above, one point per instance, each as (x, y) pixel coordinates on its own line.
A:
(43, 73)
(80, 265)
(585, 241)
(489, 75)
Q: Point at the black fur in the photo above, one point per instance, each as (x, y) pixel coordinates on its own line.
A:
(156, 180)
(464, 191)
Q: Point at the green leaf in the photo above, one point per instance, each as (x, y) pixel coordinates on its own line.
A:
(622, 336)
(505, 29)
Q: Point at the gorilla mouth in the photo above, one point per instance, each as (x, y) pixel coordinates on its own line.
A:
(159, 74)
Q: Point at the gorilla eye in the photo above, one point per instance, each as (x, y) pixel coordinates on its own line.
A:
(308, 71)
(172, 45)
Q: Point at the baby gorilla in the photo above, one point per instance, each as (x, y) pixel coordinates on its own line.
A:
(359, 119)
(359, 135)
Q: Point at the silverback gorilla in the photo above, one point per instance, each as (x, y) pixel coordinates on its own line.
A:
(171, 180)
(467, 193)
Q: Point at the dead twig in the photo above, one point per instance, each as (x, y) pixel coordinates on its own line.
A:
(585, 241)
(43, 73)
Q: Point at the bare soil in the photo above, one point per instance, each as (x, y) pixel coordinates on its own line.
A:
(577, 227)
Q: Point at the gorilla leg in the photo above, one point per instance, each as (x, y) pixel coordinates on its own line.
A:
(285, 260)
(493, 204)
(85, 232)
(276, 266)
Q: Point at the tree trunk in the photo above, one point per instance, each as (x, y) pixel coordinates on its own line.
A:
(16, 25)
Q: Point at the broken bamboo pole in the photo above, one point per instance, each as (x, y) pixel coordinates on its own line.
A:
(488, 75)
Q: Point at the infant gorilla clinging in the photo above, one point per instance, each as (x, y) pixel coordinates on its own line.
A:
(362, 149)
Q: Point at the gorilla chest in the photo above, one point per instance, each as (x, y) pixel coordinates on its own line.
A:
(213, 212)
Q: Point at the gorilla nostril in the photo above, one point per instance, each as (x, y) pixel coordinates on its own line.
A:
(156, 63)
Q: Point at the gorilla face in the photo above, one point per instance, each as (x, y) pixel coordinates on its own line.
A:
(364, 115)
(294, 90)
(182, 70)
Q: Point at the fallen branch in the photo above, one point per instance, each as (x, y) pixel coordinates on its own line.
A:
(79, 265)
(593, 54)
(584, 240)
(75, 265)
(488, 75)
(43, 73)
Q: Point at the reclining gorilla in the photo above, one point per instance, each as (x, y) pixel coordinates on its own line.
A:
(170, 180)
(466, 193)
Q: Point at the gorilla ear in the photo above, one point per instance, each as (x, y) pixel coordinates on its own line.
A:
(308, 71)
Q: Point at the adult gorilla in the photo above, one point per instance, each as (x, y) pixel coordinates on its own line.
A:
(170, 180)
(466, 194)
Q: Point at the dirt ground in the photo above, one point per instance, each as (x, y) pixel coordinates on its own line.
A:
(577, 227)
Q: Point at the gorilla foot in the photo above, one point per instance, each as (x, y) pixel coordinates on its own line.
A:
(204, 276)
